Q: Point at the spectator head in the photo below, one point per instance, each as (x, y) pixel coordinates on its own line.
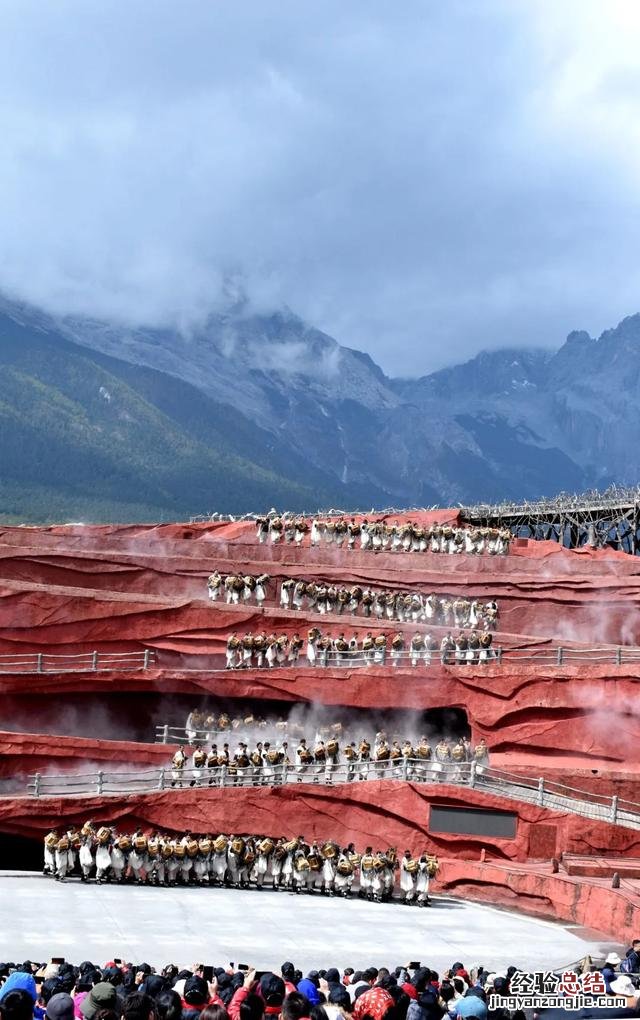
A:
(113, 975)
(152, 985)
(479, 992)
(252, 1008)
(138, 1006)
(107, 1014)
(471, 1006)
(52, 986)
(339, 996)
(272, 991)
(370, 975)
(60, 1007)
(332, 977)
(374, 1004)
(86, 980)
(17, 1005)
(51, 970)
(288, 971)
(102, 996)
(295, 1006)
(214, 1012)
(19, 982)
(196, 991)
(309, 989)
(447, 992)
(318, 1013)
(612, 960)
(168, 1005)
(421, 979)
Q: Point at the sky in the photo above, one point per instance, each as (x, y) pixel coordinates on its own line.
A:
(422, 179)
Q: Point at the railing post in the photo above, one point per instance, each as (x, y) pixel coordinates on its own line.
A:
(146, 658)
(614, 809)
(499, 654)
(165, 733)
(100, 781)
(405, 768)
(161, 780)
(560, 652)
(472, 774)
(618, 656)
(94, 662)
(39, 662)
(36, 784)
(541, 792)
(223, 776)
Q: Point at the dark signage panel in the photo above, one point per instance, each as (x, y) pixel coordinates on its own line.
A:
(473, 822)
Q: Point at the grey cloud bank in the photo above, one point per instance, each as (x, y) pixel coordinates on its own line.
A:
(419, 180)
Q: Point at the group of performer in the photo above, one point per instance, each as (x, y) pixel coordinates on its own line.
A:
(322, 598)
(271, 651)
(382, 535)
(325, 761)
(407, 607)
(158, 858)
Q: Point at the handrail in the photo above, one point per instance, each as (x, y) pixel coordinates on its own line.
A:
(88, 662)
(480, 777)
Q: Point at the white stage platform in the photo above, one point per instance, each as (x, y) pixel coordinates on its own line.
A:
(40, 918)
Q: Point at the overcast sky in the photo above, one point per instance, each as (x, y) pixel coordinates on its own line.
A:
(421, 179)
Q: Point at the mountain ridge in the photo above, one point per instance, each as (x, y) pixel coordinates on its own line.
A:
(324, 420)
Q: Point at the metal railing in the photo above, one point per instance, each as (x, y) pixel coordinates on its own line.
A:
(535, 790)
(90, 662)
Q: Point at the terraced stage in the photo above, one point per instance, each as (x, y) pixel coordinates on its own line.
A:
(560, 705)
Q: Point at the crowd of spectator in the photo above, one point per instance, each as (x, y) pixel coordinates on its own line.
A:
(127, 991)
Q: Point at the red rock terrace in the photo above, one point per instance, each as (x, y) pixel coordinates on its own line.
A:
(107, 632)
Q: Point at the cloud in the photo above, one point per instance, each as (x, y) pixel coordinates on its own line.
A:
(419, 180)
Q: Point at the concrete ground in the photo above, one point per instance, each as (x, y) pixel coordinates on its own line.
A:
(40, 918)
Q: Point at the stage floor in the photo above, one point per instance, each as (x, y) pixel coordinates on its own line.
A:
(40, 918)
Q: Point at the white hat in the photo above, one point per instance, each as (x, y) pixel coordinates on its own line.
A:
(623, 985)
(613, 959)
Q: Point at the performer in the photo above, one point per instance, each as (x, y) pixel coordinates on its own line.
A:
(481, 755)
(366, 874)
(397, 648)
(408, 869)
(103, 854)
(214, 585)
(329, 854)
(87, 862)
(198, 763)
(178, 763)
(63, 859)
(50, 843)
(138, 855)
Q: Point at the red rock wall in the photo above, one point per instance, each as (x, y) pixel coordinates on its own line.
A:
(376, 812)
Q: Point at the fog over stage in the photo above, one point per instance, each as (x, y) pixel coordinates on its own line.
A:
(40, 918)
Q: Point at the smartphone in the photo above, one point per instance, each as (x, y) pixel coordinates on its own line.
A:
(207, 973)
(414, 965)
(58, 959)
(243, 966)
(117, 961)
